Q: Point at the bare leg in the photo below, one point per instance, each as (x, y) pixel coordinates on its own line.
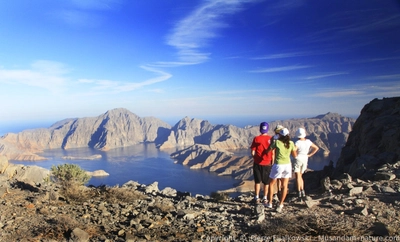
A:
(257, 187)
(285, 182)
(272, 183)
(299, 181)
(266, 187)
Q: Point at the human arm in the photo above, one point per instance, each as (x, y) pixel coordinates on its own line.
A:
(314, 150)
(294, 150)
(294, 153)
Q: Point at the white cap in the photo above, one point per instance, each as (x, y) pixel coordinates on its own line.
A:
(301, 133)
(284, 132)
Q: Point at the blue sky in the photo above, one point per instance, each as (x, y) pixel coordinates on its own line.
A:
(197, 58)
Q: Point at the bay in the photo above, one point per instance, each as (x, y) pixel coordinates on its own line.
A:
(143, 163)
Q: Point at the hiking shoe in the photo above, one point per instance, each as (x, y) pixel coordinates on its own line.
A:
(303, 194)
(268, 205)
(257, 200)
(300, 194)
(279, 209)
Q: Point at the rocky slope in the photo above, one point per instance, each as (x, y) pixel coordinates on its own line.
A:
(115, 128)
(328, 131)
(137, 212)
(373, 145)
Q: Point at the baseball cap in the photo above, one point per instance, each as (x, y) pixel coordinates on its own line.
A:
(264, 127)
(284, 132)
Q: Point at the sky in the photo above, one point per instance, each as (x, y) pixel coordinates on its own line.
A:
(206, 59)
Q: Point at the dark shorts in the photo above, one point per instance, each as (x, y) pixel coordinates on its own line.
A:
(261, 173)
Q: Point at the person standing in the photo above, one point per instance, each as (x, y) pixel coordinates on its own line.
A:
(277, 188)
(262, 162)
(305, 149)
(282, 168)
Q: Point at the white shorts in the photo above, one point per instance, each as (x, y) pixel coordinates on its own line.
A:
(300, 164)
(281, 171)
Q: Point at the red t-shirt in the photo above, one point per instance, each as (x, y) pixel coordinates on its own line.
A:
(259, 145)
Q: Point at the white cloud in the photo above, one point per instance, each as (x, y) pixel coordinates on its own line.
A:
(43, 74)
(294, 54)
(370, 90)
(85, 13)
(102, 86)
(197, 29)
(338, 93)
(325, 75)
(280, 69)
(386, 77)
(94, 4)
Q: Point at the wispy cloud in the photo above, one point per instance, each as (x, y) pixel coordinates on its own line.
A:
(325, 75)
(194, 32)
(294, 54)
(282, 56)
(85, 13)
(353, 25)
(109, 86)
(95, 4)
(370, 60)
(280, 69)
(372, 24)
(44, 74)
(337, 93)
(386, 77)
(370, 90)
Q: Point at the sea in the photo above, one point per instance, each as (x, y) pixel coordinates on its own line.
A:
(143, 163)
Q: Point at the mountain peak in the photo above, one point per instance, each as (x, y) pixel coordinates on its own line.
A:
(328, 115)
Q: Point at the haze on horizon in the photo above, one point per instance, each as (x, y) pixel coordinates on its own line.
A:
(200, 58)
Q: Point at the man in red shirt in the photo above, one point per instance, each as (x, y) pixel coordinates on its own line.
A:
(262, 162)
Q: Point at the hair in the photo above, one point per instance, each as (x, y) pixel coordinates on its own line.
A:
(285, 140)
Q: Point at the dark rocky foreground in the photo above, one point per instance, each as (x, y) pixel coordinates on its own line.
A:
(135, 212)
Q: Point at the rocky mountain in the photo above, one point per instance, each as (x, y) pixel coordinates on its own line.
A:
(329, 132)
(373, 146)
(115, 128)
(189, 131)
(122, 128)
(357, 200)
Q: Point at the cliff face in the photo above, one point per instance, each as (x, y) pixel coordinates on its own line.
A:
(188, 132)
(374, 143)
(115, 128)
(328, 131)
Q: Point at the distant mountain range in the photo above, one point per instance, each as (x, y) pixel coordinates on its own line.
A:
(122, 128)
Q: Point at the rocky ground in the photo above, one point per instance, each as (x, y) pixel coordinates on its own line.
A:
(353, 210)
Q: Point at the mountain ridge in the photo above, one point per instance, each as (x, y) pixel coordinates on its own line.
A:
(121, 128)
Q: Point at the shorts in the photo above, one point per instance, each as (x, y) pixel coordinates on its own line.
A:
(300, 164)
(261, 174)
(281, 171)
